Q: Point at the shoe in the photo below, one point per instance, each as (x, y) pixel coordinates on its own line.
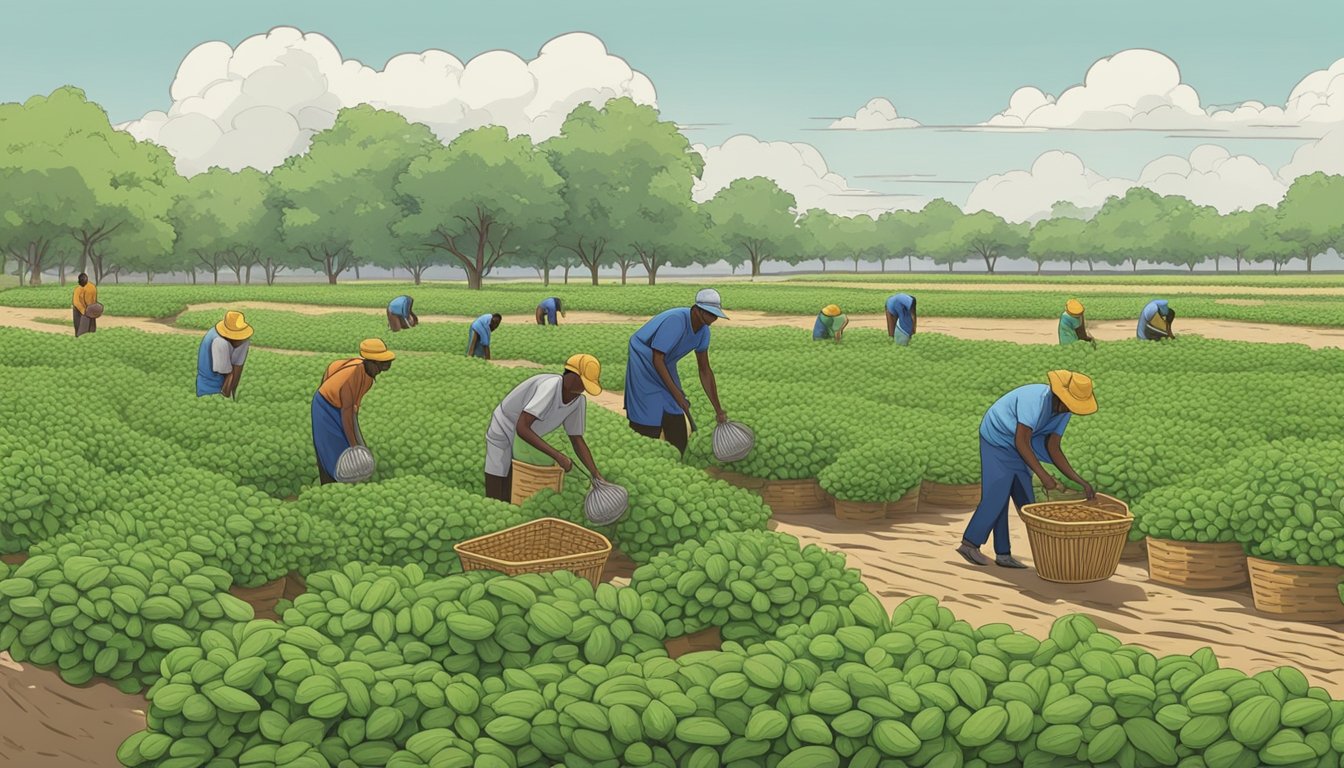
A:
(972, 555)
(1007, 561)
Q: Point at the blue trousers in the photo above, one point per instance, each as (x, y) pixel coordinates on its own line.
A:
(1003, 476)
(329, 440)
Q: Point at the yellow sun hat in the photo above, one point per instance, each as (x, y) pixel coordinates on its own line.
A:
(831, 310)
(588, 369)
(375, 349)
(1075, 390)
(1074, 307)
(234, 327)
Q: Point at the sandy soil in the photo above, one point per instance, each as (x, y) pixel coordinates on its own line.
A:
(1155, 289)
(46, 723)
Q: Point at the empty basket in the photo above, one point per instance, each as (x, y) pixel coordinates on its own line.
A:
(1075, 552)
(540, 546)
(732, 441)
(355, 465)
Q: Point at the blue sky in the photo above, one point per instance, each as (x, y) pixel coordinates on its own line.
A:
(765, 69)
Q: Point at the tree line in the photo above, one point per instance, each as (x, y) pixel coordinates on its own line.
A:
(612, 190)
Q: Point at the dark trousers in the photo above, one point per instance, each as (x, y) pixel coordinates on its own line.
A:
(322, 475)
(83, 324)
(1004, 477)
(673, 430)
(499, 488)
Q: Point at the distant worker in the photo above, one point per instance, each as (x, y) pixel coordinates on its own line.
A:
(1156, 320)
(534, 409)
(547, 310)
(222, 354)
(86, 293)
(654, 401)
(336, 404)
(1072, 325)
(401, 315)
(1019, 432)
(901, 319)
(830, 323)
(478, 345)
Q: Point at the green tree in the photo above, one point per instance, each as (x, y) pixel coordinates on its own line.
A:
(1183, 225)
(819, 237)
(670, 229)
(857, 236)
(929, 224)
(755, 218)
(895, 234)
(38, 210)
(339, 198)
(1309, 215)
(983, 234)
(1056, 240)
(473, 198)
(1129, 228)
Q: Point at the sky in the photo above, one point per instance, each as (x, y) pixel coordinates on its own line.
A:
(770, 89)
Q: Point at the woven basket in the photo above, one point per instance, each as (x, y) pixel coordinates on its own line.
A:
(16, 558)
(905, 506)
(262, 598)
(1197, 565)
(950, 496)
(1134, 551)
(1078, 552)
(795, 497)
(860, 510)
(530, 479)
(736, 478)
(295, 585)
(1298, 592)
(707, 639)
(540, 546)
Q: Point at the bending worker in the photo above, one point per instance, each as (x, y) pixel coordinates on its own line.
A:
(654, 401)
(222, 354)
(1155, 321)
(86, 293)
(1072, 326)
(479, 343)
(830, 323)
(400, 314)
(1019, 432)
(534, 409)
(336, 404)
(901, 319)
(547, 310)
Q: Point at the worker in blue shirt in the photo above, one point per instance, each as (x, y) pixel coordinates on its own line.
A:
(1019, 432)
(400, 315)
(547, 309)
(478, 344)
(901, 318)
(1155, 321)
(654, 401)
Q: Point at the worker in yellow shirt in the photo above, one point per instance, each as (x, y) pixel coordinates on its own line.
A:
(86, 294)
(336, 404)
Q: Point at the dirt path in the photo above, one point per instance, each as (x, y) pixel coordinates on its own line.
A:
(47, 723)
(1146, 288)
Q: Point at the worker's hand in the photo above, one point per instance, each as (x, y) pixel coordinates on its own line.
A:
(598, 476)
(1089, 491)
(1049, 483)
(722, 416)
(683, 403)
(565, 463)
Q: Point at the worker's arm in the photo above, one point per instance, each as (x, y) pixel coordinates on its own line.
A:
(415, 319)
(231, 380)
(1083, 335)
(581, 450)
(1052, 447)
(471, 346)
(529, 435)
(1022, 441)
(540, 312)
(914, 320)
(711, 386)
(843, 326)
(891, 325)
(486, 348)
(660, 365)
(348, 424)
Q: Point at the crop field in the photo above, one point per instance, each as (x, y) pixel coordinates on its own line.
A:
(145, 512)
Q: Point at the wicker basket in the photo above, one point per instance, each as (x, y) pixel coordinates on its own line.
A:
(736, 478)
(1135, 550)
(530, 479)
(949, 496)
(1078, 552)
(906, 505)
(1196, 565)
(707, 639)
(540, 546)
(262, 598)
(795, 497)
(864, 511)
(295, 585)
(1298, 592)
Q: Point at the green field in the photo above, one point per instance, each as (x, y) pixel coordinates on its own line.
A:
(1230, 279)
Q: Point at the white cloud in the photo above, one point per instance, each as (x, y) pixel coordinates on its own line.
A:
(876, 115)
(798, 169)
(256, 104)
(1326, 154)
(1139, 89)
(1209, 176)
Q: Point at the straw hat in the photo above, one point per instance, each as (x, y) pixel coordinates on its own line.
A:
(588, 369)
(1074, 307)
(233, 327)
(831, 310)
(375, 349)
(1075, 389)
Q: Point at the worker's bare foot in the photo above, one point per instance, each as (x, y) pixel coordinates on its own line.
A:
(1008, 561)
(972, 554)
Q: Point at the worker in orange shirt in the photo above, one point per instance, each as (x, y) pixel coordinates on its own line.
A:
(336, 404)
(86, 293)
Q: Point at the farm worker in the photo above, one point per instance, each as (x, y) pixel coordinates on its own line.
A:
(479, 343)
(220, 359)
(534, 409)
(547, 309)
(830, 323)
(400, 315)
(1155, 321)
(654, 401)
(1072, 326)
(86, 293)
(337, 400)
(901, 318)
(1021, 430)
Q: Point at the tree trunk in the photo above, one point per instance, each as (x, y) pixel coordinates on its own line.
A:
(1238, 264)
(149, 277)
(653, 273)
(249, 274)
(566, 274)
(36, 277)
(356, 270)
(1134, 264)
(823, 265)
(756, 266)
(910, 262)
(331, 278)
(1309, 259)
(884, 265)
(592, 269)
(856, 263)
(1090, 268)
(546, 276)
(625, 268)
(61, 273)
(416, 275)
(193, 276)
(1039, 264)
